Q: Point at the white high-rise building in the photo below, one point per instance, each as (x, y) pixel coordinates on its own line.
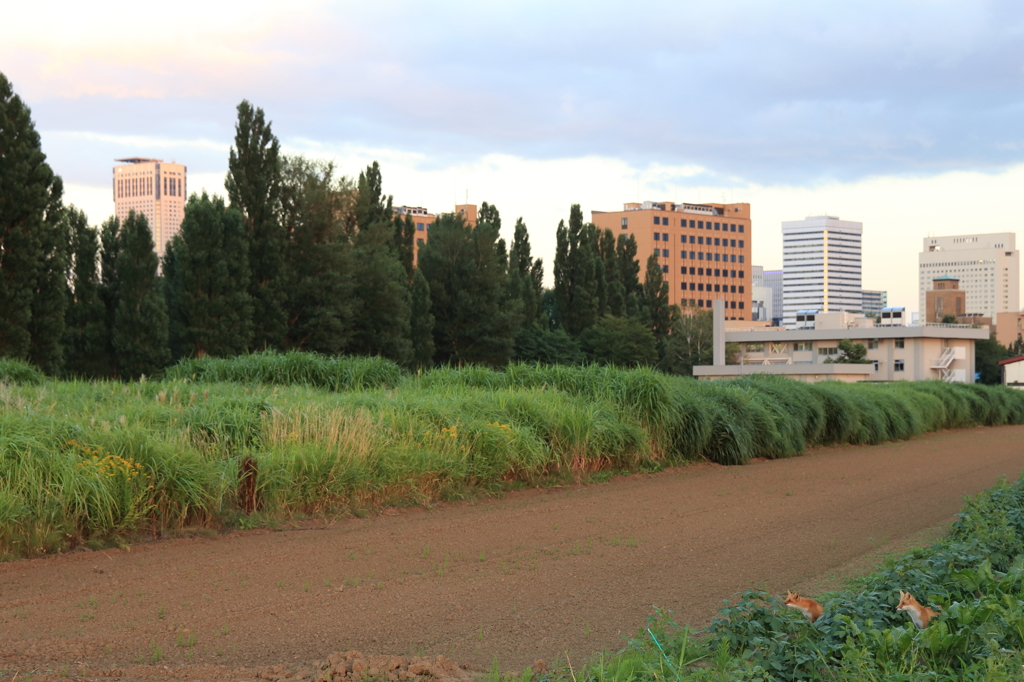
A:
(821, 266)
(987, 265)
(155, 189)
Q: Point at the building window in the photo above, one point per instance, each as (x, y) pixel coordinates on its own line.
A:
(682, 285)
(802, 345)
(732, 228)
(876, 365)
(716, 241)
(898, 343)
(700, 286)
(741, 307)
(741, 228)
(708, 302)
(718, 226)
(741, 243)
(625, 223)
(741, 274)
(732, 258)
(700, 302)
(691, 258)
(732, 304)
(897, 366)
(741, 259)
(700, 255)
(419, 227)
(717, 289)
(657, 221)
(700, 240)
(664, 252)
(664, 268)
(700, 272)
(664, 235)
(755, 347)
(682, 254)
(828, 350)
(872, 344)
(718, 273)
(692, 239)
(692, 286)
(717, 255)
(657, 236)
(733, 289)
(741, 290)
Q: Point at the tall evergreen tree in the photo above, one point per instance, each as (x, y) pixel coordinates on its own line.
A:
(525, 275)
(50, 294)
(172, 284)
(422, 323)
(319, 285)
(140, 319)
(615, 292)
(405, 234)
(254, 188)
(576, 274)
(382, 319)
(211, 275)
(466, 273)
(656, 297)
(110, 249)
(85, 328)
(28, 189)
(629, 274)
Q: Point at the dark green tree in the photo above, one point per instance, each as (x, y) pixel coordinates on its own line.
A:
(987, 354)
(577, 287)
(382, 317)
(85, 328)
(661, 312)
(690, 343)
(949, 319)
(466, 274)
(422, 323)
(615, 291)
(526, 276)
(253, 184)
(50, 294)
(211, 275)
(110, 249)
(28, 192)
(629, 275)
(547, 346)
(1016, 349)
(140, 319)
(319, 285)
(405, 233)
(621, 341)
(171, 280)
(851, 352)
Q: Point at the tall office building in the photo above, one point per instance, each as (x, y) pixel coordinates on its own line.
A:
(773, 280)
(874, 301)
(821, 266)
(155, 189)
(423, 219)
(703, 250)
(987, 265)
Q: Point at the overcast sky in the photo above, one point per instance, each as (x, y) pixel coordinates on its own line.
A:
(906, 116)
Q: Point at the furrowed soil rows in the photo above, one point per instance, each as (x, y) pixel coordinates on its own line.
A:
(533, 575)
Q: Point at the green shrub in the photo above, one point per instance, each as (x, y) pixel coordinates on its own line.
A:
(18, 372)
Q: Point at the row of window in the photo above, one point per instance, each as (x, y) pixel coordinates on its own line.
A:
(700, 255)
(700, 286)
(696, 224)
(143, 186)
(702, 303)
(809, 345)
(663, 237)
(708, 272)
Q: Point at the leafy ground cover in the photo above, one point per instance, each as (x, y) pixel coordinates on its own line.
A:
(975, 576)
(239, 441)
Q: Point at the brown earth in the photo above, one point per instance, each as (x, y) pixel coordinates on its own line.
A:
(532, 575)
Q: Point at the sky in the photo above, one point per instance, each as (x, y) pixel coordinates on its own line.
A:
(905, 115)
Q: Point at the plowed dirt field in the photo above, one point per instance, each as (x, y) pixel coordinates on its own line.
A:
(531, 575)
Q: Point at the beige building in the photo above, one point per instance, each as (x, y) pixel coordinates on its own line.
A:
(1009, 326)
(703, 249)
(423, 219)
(987, 265)
(894, 353)
(154, 189)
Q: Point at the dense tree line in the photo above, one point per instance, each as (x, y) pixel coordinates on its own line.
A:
(298, 256)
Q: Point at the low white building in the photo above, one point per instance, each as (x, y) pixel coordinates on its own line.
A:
(1013, 372)
(894, 352)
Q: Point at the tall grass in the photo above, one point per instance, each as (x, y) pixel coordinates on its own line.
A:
(287, 434)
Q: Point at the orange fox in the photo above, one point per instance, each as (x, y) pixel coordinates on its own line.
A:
(810, 608)
(919, 614)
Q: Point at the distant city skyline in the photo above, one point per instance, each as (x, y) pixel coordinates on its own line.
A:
(514, 105)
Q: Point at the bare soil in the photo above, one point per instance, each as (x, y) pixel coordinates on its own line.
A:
(537, 574)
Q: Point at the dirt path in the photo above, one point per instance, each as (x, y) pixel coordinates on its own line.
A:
(532, 575)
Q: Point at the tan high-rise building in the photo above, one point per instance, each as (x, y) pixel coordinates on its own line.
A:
(703, 250)
(154, 189)
(423, 219)
(987, 265)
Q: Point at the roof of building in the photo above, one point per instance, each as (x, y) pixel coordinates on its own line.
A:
(1011, 360)
(137, 159)
(944, 277)
(886, 332)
